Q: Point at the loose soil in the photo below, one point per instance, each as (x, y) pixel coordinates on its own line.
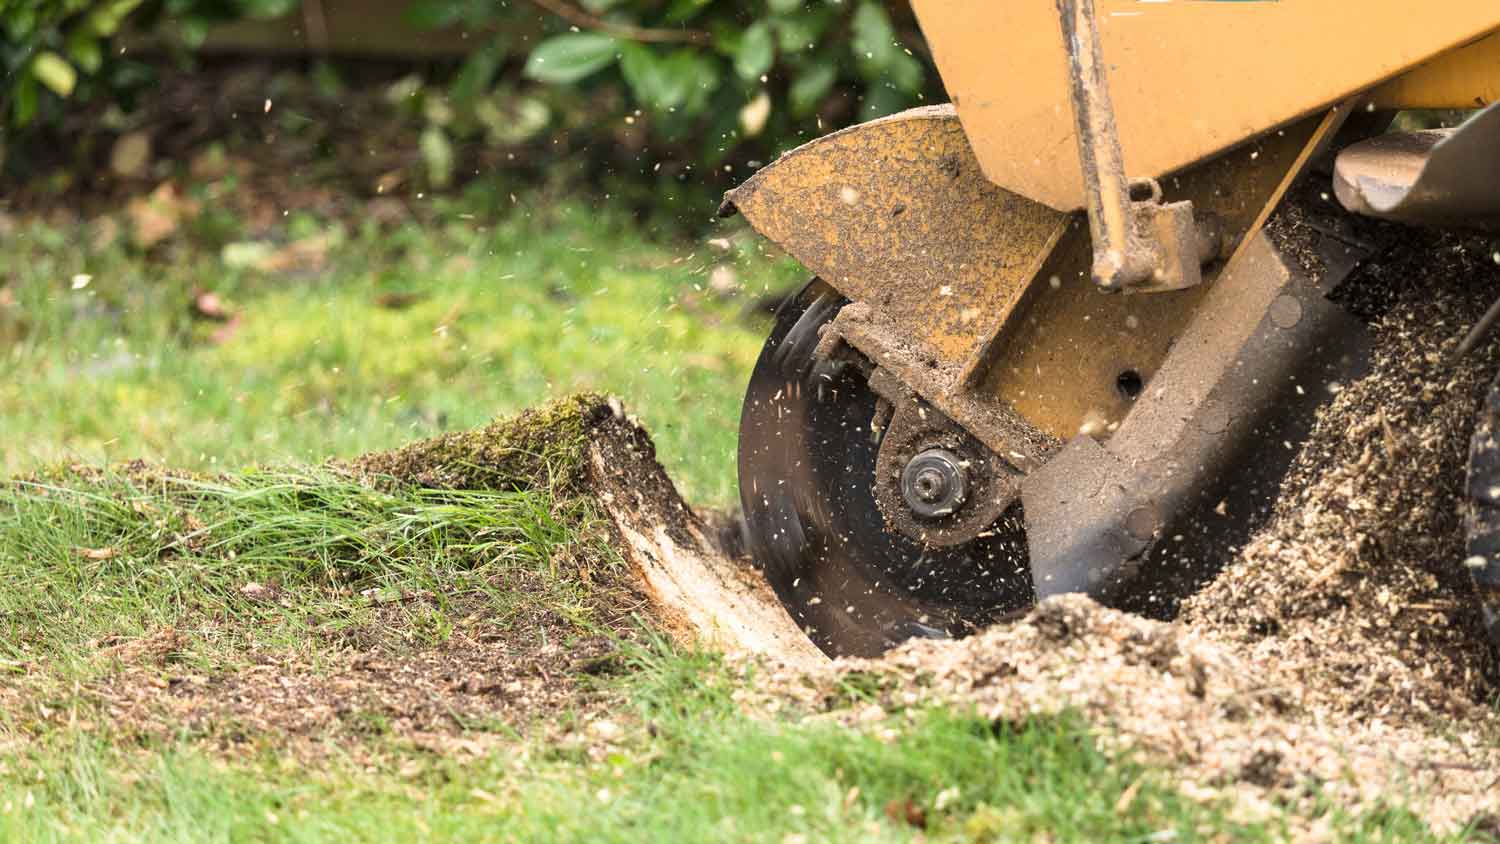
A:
(464, 697)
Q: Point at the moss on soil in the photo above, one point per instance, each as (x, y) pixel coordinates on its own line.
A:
(541, 448)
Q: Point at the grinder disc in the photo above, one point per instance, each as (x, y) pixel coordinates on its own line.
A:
(807, 463)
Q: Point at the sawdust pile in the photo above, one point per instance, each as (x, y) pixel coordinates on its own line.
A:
(1228, 726)
(1356, 586)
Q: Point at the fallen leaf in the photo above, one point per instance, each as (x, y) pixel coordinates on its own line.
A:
(96, 553)
(257, 592)
(308, 255)
(156, 217)
(389, 181)
(907, 812)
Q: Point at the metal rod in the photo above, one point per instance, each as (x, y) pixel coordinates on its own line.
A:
(1117, 262)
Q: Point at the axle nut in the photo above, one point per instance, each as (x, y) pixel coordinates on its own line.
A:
(934, 483)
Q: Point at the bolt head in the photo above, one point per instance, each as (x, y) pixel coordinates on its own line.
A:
(934, 483)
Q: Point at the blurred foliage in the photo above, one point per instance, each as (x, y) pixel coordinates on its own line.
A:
(57, 51)
(661, 103)
(669, 93)
(705, 80)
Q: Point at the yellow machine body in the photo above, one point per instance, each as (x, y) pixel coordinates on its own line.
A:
(988, 396)
(1191, 78)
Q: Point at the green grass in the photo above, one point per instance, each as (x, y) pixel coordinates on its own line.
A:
(502, 314)
(747, 784)
(701, 772)
(120, 556)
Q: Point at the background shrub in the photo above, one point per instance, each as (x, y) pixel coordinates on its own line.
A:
(695, 85)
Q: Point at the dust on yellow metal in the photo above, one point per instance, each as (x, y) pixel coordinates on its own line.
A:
(1188, 78)
(896, 213)
(1060, 355)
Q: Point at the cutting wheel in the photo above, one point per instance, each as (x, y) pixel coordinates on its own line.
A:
(807, 466)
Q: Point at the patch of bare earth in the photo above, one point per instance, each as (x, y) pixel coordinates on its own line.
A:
(462, 696)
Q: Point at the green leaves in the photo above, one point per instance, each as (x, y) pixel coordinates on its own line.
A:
(53, 71)
(23, 102)
(756, 51)
(434, 14)
(437, 154)
(877, 53)
(811, 86)
(85, 50)
(782, 68)
(105, 19)
(565, 59)
(47, 47)
(267, 8)
(712, 73)
(664, 81)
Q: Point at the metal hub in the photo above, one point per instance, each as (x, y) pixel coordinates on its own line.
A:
(934, 483)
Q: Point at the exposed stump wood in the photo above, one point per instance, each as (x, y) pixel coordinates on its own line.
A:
(701, 596)
(584, 446)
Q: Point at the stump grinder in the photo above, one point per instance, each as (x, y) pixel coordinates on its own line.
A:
(1066, 332)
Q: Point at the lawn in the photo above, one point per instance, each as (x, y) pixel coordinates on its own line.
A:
(257, 644)
(336, 337)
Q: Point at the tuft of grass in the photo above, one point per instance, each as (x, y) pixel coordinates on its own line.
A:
(266, 558)
(540, 447)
